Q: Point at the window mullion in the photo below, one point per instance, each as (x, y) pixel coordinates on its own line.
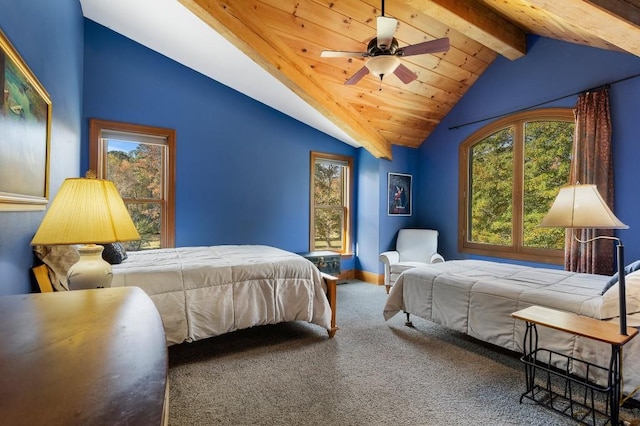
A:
(518, 185)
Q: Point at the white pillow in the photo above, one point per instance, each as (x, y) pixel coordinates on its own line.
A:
(59, 259)
(610, 307)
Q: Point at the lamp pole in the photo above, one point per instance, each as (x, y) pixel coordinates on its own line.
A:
(622, 290)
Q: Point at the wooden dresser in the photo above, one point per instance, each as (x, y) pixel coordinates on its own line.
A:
(87, 357)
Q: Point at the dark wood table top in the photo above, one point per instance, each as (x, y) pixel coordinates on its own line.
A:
(86, 357)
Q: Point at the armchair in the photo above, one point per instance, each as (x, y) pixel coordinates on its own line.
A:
(414, 247)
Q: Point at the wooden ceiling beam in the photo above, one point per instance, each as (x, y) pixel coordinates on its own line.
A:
(478, 22)
(238, 22)
(614, 21)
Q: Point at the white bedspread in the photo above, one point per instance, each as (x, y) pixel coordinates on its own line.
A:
(207, 291)
(478, 297)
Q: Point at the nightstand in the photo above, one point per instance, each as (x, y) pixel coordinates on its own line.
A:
(577, 399)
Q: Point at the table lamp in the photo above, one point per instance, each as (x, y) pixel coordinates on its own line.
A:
(582, 206)
(87, 211)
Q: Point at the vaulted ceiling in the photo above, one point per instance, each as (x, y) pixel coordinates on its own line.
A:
(285, 37)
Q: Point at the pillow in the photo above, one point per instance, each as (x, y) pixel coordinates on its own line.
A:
(114, 253)
(610, 307)
(634, 266)
(59, 259)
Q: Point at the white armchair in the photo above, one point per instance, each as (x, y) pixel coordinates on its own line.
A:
(414, 247)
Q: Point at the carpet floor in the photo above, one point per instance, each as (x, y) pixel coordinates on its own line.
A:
(371, 373)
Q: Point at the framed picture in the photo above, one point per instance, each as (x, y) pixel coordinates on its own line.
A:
(399, 194)
(25, 133)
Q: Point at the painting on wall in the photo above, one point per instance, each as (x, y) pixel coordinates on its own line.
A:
(25, 132)
(399, 194)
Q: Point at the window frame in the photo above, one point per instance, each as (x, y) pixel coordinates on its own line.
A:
(516, 250)
(347, 199)
(97, 162)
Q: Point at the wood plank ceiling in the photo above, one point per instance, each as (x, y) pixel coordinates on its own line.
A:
(286, 37)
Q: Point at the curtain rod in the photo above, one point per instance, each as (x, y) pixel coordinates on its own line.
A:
(593, 89)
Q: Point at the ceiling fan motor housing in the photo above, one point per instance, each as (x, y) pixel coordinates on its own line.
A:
(374, 50)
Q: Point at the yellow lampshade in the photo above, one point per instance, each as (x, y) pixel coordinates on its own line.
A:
(581, 206)
(86, 211)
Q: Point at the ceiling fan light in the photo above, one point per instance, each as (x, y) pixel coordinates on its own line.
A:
(382, 65)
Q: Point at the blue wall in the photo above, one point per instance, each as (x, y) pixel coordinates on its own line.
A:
(377, 231)
(368, 202)
(551, 70)
(49, 37)
(242, 167)
(405, 160)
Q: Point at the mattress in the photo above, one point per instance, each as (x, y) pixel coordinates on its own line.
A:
(202, 292)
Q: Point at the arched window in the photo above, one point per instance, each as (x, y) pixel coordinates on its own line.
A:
(510, 172)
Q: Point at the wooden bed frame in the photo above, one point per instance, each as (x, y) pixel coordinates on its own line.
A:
(332, 285)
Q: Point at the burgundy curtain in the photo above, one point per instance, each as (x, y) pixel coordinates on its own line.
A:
(592, 163)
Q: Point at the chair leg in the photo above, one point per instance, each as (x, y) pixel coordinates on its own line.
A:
(388, 288)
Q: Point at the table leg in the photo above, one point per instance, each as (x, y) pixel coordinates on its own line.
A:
(529, 346)
(614, 384)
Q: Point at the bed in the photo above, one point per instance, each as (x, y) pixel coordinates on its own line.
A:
(207, 291)
(477, 298)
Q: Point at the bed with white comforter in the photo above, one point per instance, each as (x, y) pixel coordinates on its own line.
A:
(478, 297)
(202, 292)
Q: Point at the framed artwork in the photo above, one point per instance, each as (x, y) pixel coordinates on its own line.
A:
(25, 133)
(399, 194)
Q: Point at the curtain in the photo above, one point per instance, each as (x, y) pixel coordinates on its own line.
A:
(592, 163)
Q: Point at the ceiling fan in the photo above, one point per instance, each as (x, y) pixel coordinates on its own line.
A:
(384, 53)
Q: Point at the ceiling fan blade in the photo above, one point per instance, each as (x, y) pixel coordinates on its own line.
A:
(386, 29)
(432, 46)
(405, 74)
(357, 76)
(342, 54)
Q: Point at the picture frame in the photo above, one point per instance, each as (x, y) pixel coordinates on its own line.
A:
(25, 134)
(399, 197)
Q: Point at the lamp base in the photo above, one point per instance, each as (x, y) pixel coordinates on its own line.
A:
(91, 271)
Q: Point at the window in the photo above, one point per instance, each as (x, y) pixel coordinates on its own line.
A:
(331, 180)
(140, 160)
(510, 173)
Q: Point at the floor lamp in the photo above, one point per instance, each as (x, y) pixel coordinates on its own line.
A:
(582, 206)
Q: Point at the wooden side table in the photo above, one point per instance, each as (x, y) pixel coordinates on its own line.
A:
(539, 359)
(85, 357)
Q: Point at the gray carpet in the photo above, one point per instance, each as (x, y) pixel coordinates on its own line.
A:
(371, 373)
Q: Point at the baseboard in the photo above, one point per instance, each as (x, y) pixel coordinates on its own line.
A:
(368, 277)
